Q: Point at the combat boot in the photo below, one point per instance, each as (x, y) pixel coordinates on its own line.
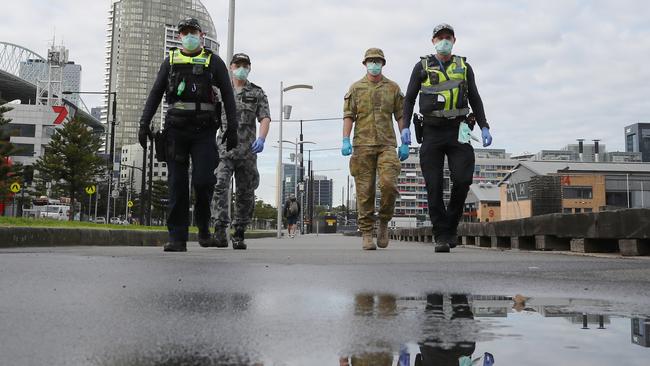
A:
(204, 238)
(368, 242)
(219, 239)
(382, 235)
(238, 239)
(175, 246)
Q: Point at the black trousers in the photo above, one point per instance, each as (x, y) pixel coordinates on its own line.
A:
(200, 145)
(437, 143)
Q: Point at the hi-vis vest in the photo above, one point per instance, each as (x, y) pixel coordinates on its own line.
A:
(190, 78)
(443, 93)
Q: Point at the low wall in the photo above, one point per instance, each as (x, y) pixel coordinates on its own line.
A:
(53, 237)
(624, 231)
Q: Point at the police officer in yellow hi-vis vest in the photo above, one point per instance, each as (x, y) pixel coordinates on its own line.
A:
(446, 88)
(188, 77)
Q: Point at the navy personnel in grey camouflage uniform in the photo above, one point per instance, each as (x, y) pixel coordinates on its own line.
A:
(252, 104)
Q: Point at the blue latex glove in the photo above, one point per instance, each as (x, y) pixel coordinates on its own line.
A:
(258, 145)
(403, 152)
(488, 359)
(347, 147)
(487, 138)
(406, 136)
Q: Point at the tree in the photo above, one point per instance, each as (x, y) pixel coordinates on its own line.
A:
(71, 160)
(8, 171)
(264, 211)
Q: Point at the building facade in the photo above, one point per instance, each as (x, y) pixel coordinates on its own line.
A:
(491, 165)
(130, 168)
(323, 191)
(289, 180)
(139, 33)
(540, 187)
(637, 139)
(32, 70)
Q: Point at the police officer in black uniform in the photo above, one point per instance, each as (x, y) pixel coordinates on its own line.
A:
(187, 77)
(446, 88)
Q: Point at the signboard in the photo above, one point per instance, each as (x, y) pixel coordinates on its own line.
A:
(518, 191)
(61, 112)
(15, 187)
(130, 204)
(90, 190)
(115, 193)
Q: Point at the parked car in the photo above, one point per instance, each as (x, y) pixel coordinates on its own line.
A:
(116, 220)
(100, 220)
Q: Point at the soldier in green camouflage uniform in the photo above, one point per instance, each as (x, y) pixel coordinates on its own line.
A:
(252, 104)
(370, 105)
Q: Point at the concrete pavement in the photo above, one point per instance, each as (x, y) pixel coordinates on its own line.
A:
(287, 301)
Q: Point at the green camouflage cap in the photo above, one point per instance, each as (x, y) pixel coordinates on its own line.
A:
(374, 53)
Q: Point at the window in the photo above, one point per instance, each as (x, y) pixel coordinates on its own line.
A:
(587, 209)
(567, 210)
(19, 130)
(577, 193)
(24, 149)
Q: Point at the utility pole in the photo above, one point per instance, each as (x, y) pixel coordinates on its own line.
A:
(150, 184)
(143, 185)
(347, 206)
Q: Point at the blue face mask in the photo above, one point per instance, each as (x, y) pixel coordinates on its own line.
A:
(374, 68)
(241, 73)
(191, 42)
(444, 47)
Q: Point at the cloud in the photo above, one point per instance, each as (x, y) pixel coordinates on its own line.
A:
(548, 72)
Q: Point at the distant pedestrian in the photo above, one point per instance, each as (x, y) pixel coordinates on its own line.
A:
(292, 212)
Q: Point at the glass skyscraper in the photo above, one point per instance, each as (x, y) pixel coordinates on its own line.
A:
(139, 34)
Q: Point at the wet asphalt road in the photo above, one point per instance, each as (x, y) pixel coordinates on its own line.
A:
(285, 302)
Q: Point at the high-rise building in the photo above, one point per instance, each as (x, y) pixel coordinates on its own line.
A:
(131, 167)
(288, 180)
(637, 139)
(323, 191)
(96, 112)
(34, 69)
(491, 165)
(139, 34)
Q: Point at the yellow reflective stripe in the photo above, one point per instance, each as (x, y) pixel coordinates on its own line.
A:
(176, 57)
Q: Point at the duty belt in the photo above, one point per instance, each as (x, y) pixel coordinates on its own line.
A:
(185, 106)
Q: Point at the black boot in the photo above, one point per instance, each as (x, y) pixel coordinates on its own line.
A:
(204, 238)
(175, 246)
(238, 238)
(219, 239)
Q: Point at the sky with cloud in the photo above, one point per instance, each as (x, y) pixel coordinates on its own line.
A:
(548, 72)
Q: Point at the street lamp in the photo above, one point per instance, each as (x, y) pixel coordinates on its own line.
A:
(278, 179)
(112, 147)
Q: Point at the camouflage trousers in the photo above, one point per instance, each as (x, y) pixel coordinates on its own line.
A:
(366, 163)
(247, 179)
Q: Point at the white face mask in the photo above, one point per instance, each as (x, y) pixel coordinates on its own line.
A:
(444, 47)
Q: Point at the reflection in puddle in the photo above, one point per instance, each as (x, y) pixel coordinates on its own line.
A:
(514, 329)
(330, 328)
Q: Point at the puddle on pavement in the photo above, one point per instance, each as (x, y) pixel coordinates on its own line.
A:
(382, 329)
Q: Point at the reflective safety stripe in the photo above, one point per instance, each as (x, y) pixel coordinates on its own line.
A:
(450, 113)
(434, 89)
(445, 84)
(192, 106)
(177, 58)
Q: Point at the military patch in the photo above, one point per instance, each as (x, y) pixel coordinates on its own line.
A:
(248, 99)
